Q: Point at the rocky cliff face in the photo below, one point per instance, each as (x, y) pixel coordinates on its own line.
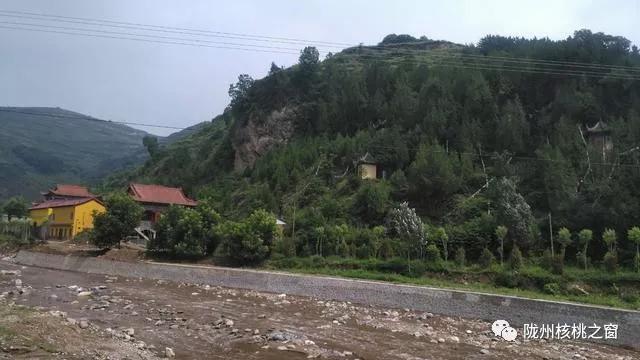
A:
(260, 134)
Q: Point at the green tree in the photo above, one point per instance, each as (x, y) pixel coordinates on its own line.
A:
(120, 219)
(405, 223)
(609, 238)
(585, 236)
(486, 258)
(516, 260)
(16, 207)
(634, 235)
(151, 144)
(239, 91)
(513, 211)
(249, 242)
(372, 201)
(440, 236)
(564, 239)
(309, 56)
(501, 234)
(460, 257)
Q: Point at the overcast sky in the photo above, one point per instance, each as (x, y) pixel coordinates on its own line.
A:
(179, 85)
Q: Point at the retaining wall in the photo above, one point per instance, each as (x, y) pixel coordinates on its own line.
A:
(517, 311)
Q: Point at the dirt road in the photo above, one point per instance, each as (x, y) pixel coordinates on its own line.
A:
(76, 315)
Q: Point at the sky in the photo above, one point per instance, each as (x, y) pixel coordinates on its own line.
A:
(177, 85)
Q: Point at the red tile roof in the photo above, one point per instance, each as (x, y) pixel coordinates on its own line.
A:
(71, 190)
(61, 203)
(159, 194)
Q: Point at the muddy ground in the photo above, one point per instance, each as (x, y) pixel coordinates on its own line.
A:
(57, 314)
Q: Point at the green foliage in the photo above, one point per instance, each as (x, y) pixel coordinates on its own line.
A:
(609, 238)
(16, 207)
(486, 258)
(151, 144)
(250, 241)
(584, 237)
(457, 144)
(185, 233)
(515, 259)
(371, 202)
(460, 257)
(440, 237)
(564, 237)
(610, 261)
(122, 216)
(403, 222)
(552, 288)
(432, 254)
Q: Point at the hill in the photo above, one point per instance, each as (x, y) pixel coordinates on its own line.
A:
(42, 146)
(472, 136)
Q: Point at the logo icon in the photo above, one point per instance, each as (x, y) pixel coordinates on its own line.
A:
(501, 328)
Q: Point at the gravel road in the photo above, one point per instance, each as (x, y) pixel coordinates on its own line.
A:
(156, 319)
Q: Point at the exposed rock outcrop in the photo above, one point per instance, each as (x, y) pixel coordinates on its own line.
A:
(260, 134)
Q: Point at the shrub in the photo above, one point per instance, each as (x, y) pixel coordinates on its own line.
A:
(342, 249)
(432, 254)
(121, 218)
(630, 297)
(460, 257)
(250, 241)
(610, 261)
(515, 260)
(180, 233)
(507, 279)
(552, 288)
(486, 258)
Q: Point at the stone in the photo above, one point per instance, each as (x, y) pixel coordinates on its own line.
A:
(228, 323)
(282, 348)
(83, 324)
(85, 293)
(485, 351)
(440, 340)
(18, 283)
(168, 353)
(129, 331)
(454, 339)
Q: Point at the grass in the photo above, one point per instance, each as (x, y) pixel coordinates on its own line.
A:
(619, 290)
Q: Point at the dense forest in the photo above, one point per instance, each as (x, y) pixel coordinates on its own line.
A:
(529, 134)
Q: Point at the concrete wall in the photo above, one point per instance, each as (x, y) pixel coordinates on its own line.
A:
(517, 311)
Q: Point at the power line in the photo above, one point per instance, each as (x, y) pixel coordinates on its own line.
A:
(383, 48)
(491, 62)
(88, 118)
(372, 57)
(144, 35)
(177, 28)
(162, 31)
(146, 40)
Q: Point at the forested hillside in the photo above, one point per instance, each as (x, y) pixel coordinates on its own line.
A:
(43, 146)
(473, 137)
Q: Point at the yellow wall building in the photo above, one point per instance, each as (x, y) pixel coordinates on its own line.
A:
(65, 218)
(367, 167)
